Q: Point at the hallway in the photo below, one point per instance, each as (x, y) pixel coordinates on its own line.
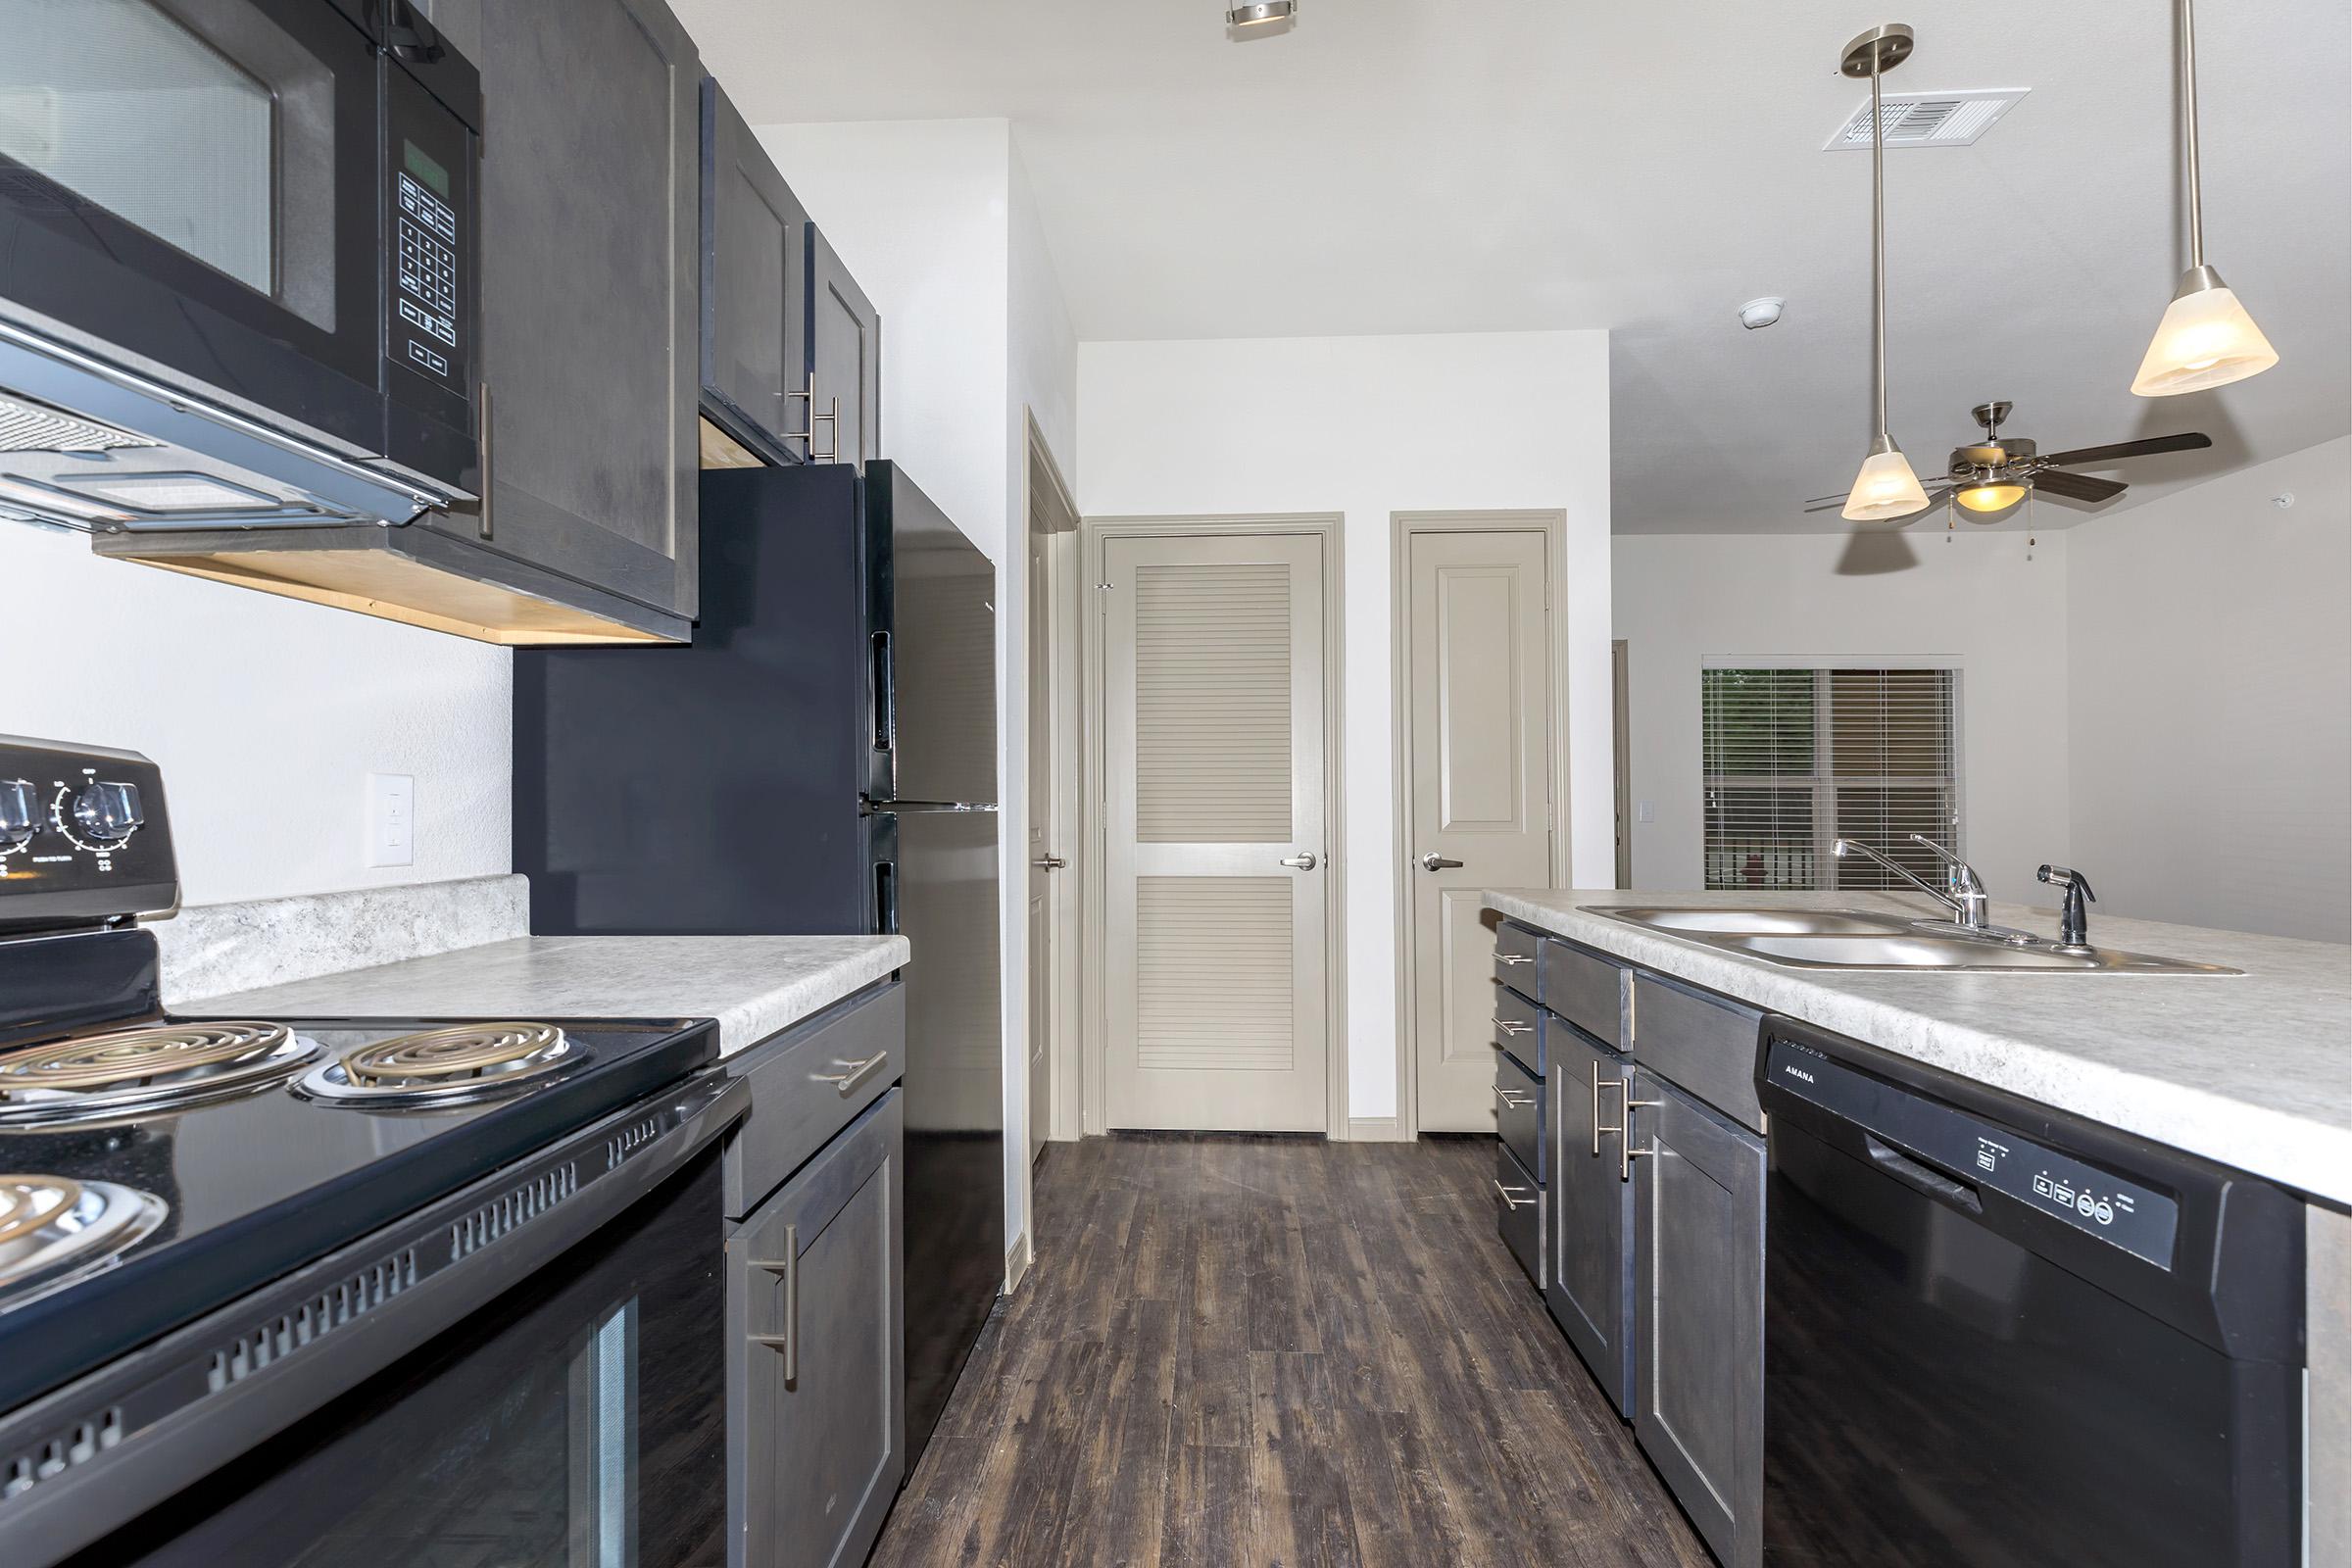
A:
(1278, 1351)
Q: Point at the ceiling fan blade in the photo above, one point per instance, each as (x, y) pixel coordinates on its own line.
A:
(2187, 441)
(2078, 487)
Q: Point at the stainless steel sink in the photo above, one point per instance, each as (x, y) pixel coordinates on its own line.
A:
(1764, 922)
(1849, 939)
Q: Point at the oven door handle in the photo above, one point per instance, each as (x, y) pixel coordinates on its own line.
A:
(215, 1388)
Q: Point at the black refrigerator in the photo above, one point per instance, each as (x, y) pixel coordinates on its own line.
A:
(821, 759)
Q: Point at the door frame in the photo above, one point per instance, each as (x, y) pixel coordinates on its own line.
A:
(1553, 523)
(1096, 534)
(1060, 1113)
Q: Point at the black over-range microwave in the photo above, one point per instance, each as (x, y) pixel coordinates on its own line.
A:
(237, 262)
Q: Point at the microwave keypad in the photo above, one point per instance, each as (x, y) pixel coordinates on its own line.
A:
(427, 274)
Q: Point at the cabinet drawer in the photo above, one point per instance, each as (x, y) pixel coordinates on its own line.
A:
(1519, 1114)
(807, 1084)
(1587, 989)
(1515, 959)
(1519, 1212)
(1703, 1043)
(1519, 1029)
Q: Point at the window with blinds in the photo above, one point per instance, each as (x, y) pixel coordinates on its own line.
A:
(1795, 760)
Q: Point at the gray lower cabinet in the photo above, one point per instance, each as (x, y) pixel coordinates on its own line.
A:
(816, 1425)
(754, 334)
(1589, 1288)
(845, 351)
(591, 282)
(1698, 1312)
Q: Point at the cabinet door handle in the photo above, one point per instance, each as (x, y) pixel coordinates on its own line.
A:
(1513, 1098)
(858, 1072)
(1598, 1126)
(789, 1342)
(1514, 958)
(1513, 1029)
(1504, 1193)
(1627, 1154)
(1434, 861)
(831, 420)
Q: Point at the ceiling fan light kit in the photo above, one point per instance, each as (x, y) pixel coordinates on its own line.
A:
(2206, 338)
(1885, 488)
(1266, 20)
(1994, 497)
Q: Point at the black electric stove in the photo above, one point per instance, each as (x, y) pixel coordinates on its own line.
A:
(170, 1183)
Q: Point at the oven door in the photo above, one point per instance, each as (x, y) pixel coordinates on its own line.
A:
(191, 187)
(576, 1422)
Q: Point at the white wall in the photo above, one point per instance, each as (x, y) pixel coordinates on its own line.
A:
(2210, 647)
(1369, 426)
(1977, 602)
(936, 220)
(265, 714)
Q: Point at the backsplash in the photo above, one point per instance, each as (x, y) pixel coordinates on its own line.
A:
(211, 949)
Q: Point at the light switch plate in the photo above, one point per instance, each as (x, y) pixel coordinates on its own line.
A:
(1646, 811)
(391, 818)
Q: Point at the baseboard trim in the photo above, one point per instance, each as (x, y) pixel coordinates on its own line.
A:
(1017, 1258)
(1374, 1130)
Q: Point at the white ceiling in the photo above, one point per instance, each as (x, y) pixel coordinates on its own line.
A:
(1423, 166)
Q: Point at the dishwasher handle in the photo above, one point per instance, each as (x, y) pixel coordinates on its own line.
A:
(1920, 1175)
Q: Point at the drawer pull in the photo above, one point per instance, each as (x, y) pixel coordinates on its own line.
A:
(1508, 1201)
(858, 1073)
(1513, 1029)
(1513, 1098)
(787, 1343)
(1514, 958)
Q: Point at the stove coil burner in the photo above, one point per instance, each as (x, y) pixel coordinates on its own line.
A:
(445, 1067)
(54, 1231)
(144, 1071)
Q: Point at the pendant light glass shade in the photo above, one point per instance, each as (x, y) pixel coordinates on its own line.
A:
(1991, 497)
(2205, 339)
(1885, 488)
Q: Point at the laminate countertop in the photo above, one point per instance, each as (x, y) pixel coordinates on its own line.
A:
(2253, 1070)
(753, 986)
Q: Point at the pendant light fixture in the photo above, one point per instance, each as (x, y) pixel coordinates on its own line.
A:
(1885, 488)
(2206, 337)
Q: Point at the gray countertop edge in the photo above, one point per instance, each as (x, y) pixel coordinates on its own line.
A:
(2138, 1059)
(752, 986)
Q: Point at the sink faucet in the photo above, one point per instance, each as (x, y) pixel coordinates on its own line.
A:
(2073, 921)
(1965, 897)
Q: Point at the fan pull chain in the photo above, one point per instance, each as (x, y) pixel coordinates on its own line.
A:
(2029, 539)
(1951, 517)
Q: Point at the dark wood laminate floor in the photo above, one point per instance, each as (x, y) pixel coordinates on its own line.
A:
(1256, 1350)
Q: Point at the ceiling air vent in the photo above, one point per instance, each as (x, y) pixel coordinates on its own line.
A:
(1928, 119)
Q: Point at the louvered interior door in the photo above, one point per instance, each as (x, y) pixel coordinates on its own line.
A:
(1214, 852)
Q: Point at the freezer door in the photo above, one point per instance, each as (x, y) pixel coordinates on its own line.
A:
(937, 696)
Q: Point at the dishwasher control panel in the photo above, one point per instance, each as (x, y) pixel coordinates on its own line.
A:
(1985, 1155)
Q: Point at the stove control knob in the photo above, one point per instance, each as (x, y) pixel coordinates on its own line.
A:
(20, 812)
(108, 813)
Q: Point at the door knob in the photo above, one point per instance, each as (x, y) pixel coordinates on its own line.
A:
(1049, 862)
(1304, 862)
(1434, 861)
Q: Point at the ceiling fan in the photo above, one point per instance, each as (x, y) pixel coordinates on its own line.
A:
(1994, 473)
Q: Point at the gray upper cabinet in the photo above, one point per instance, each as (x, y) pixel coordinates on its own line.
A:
(754, 318)
(1589, 1288)
(591, 283)
(816, 1429)
(1698, 1312)
(845, 340)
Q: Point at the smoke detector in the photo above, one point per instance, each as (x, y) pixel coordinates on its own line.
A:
(1928, 119)
(1264, 20)
(1761, 313)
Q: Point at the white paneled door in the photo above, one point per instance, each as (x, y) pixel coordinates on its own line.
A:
(1480, 745)
(1215, 859)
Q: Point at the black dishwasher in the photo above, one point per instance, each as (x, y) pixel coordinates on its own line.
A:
(1995, 1335)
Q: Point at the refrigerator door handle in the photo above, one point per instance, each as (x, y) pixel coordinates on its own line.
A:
(867, 806)
(886, 694)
